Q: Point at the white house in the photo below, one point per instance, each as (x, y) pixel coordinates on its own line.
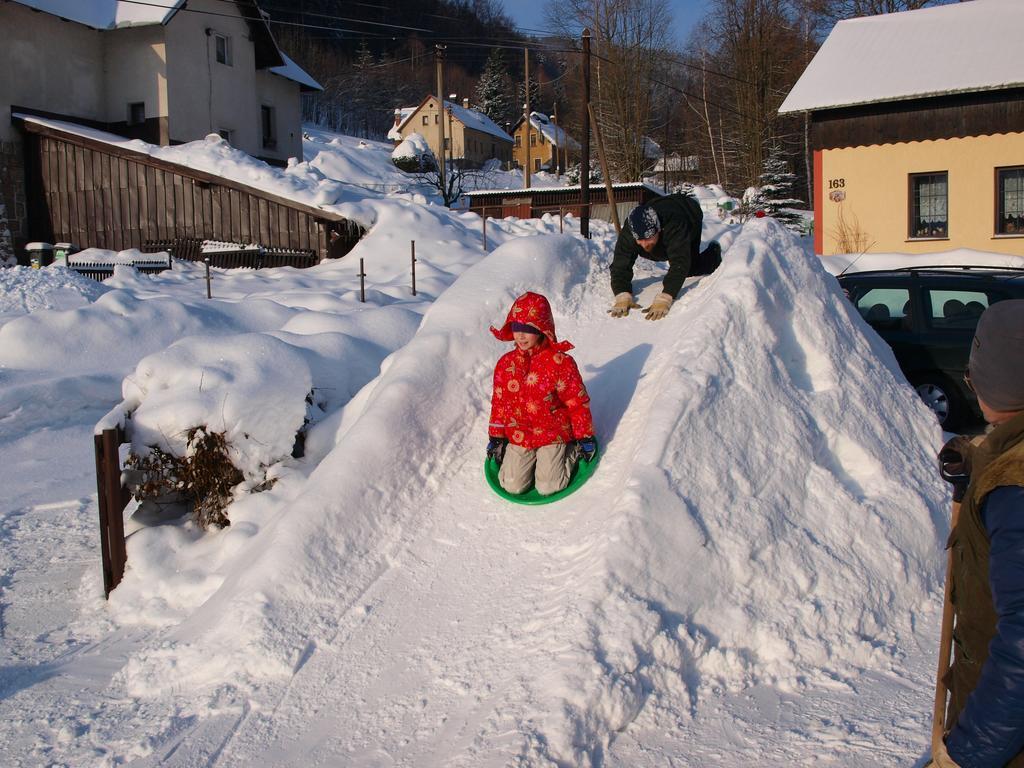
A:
(167, 71)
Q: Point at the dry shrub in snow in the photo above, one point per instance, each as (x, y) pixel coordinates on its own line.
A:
(204, 476)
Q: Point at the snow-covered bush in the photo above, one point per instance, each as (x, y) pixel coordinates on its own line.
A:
(211, 418)
(414, 155)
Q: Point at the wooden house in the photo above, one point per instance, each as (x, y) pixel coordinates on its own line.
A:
(917, 131)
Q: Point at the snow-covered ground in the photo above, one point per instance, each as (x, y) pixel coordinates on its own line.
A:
(752, 575)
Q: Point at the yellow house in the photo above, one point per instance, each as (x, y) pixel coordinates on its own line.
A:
(917, 131)
(470, 137)
(551, 148)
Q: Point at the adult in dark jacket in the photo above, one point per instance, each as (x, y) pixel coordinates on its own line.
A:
(665, 229)
(985, 716)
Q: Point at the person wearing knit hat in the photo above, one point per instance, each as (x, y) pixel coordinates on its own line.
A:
(983, 722)
(540, 411)
(666, 229)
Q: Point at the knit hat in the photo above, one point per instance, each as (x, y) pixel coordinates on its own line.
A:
(997, 356)
(643, 222)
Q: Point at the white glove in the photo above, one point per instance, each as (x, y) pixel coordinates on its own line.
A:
(623, 303)
(659, 307)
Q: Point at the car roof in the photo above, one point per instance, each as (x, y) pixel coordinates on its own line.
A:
(959, 272)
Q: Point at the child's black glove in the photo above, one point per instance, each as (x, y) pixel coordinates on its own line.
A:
(496, 448)
(587, 448)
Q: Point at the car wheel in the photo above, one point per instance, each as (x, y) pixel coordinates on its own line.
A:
(939, 395)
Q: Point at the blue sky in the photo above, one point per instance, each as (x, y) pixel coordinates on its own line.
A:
(530, 14)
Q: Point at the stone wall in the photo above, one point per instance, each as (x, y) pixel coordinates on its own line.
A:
(12, 191)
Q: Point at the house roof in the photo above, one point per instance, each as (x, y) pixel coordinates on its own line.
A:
(108, 14)
(293, 71)
(552, 132)
(948, 49)
(470, 118)
(117, 14)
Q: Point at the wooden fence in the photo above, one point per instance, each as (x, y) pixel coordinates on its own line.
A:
(95, 194)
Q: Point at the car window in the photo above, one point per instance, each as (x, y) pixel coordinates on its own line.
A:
(955, 308)
(885, 308)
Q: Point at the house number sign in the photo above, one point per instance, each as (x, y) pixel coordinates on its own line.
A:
(837, 193)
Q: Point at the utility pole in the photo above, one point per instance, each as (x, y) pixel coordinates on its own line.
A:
(585, 160)
(439, 59)
(557, 149)
(526, 114)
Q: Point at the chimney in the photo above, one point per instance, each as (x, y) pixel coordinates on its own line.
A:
(398, 117)
(465, 102)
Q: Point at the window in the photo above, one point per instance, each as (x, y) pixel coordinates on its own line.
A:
(519, 140)
(226, 134)
(137, 113)
(929, 198)
(885, 308)
(536, 164)
(1010, 201)
(268, 124)
(956, 308)
(447, 143)
(223, 44)
(426, 119)
(533, 139)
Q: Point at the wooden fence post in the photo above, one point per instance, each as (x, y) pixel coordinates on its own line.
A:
(413, 243)
(483, 213)
(209, 292)
(362, 282)
(112, 498)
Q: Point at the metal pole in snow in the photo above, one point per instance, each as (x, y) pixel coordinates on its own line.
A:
(413, 242)
(362, 282)
(484, 212)
(209, 292)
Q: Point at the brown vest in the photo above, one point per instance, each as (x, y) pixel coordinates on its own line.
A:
(998, 461)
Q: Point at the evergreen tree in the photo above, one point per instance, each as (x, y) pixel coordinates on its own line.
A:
(776, 192)
(492, 95)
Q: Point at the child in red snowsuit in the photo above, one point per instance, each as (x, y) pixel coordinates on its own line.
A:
(540, 410)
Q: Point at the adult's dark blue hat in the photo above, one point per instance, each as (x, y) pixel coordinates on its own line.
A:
(643, 222)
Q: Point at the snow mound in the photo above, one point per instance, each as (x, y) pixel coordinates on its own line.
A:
(23, 289)
(251, 388)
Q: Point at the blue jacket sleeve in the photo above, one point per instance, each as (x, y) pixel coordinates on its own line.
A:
(990, 729)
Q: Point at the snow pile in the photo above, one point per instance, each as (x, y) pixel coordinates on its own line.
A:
(694, 566)
(250, 388)
(414, 147)
(23, 290)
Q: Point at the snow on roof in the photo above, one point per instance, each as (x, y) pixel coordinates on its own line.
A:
(477, 121)
(108, 14)
(470, 118)
(552, 132)
(293, 71)
(945, 49)
(554, 190)
(403, 113)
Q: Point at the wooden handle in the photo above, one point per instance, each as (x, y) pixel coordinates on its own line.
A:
(945, 650)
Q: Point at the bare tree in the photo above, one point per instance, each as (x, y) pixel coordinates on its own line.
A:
(629, 40)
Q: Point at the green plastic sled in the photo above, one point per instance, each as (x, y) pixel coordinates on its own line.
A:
(580, 475)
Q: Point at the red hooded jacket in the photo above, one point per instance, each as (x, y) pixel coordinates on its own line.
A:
(539, 396)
